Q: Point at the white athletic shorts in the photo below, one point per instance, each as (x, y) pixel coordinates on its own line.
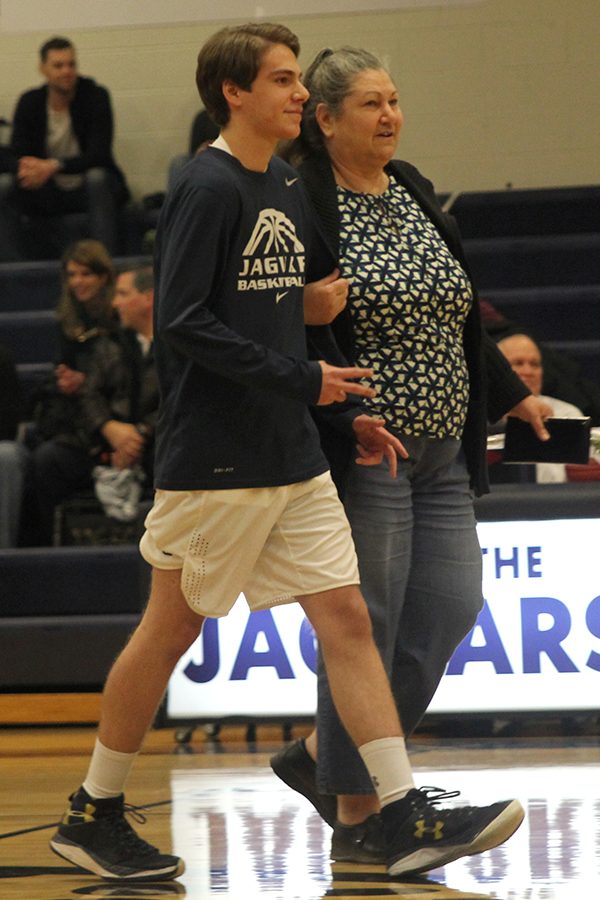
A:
(272, 543)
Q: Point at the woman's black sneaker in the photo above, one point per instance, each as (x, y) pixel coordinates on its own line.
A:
(419, 836)
(362, 843)
(96, 836)
(297, 768)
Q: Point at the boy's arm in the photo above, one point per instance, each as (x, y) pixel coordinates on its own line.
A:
(195, 235)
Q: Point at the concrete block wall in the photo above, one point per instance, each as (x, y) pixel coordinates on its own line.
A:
(493, 91)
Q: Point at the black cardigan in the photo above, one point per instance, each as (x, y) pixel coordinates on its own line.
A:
(92, 119)
(493, 386)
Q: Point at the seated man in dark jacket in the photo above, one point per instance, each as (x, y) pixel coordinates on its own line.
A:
(60, 152)
(119, 403)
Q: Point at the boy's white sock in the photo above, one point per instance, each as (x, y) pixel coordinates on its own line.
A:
(107, 772)
(387, 764)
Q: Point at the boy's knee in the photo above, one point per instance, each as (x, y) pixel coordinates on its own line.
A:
(172, 641)
(348, 618)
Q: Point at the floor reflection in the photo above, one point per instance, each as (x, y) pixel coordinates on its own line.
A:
(147, 891)
(244, 835)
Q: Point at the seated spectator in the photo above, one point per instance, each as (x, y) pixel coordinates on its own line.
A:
(61, 153)
(85, 313)
(203, 132)
(119, 403)
(562, 375)
(13, 454)
(525, 358)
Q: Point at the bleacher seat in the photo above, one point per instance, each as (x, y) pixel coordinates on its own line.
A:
(63, 653)
(66, 613)
(32, 374)
(60, 581)
(521, 212)
(568, 311)
(585, 352)
(45, 237)
(32, 335)
(507, 262)
(29, 286)
(511, 502)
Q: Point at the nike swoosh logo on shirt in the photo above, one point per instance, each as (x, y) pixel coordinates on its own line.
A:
(290, 181)
(279, 297)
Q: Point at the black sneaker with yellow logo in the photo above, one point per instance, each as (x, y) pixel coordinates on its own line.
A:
(96, 836)
(419, 836)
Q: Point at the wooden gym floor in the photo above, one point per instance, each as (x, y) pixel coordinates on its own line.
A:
(245, 836)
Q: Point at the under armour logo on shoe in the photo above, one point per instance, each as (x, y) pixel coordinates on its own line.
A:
(375, 781)
(79, 816)
(437, 830)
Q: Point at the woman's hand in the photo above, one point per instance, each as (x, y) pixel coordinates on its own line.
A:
(325, 299)
(68, 381)
(534, 410)
(375, 443)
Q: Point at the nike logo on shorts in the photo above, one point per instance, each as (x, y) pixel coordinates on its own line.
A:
(290, 181)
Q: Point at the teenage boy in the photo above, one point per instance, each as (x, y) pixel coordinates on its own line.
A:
(244, 500)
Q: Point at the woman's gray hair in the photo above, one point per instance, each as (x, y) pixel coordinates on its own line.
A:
(329, 78)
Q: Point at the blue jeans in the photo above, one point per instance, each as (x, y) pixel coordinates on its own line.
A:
(58, 471)
(420, 568)
(100, 196)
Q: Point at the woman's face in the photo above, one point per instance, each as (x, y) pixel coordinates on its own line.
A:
(367, 128)
(83, 284)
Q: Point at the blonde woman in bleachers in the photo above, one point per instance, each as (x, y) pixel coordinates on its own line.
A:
(84, 314)
(84, 309)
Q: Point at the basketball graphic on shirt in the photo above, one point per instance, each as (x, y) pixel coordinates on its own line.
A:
(274, 229)
(274, 256)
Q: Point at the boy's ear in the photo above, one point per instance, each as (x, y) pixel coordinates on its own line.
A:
(231, 92)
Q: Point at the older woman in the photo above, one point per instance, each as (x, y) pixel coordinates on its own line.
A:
(412, 316)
